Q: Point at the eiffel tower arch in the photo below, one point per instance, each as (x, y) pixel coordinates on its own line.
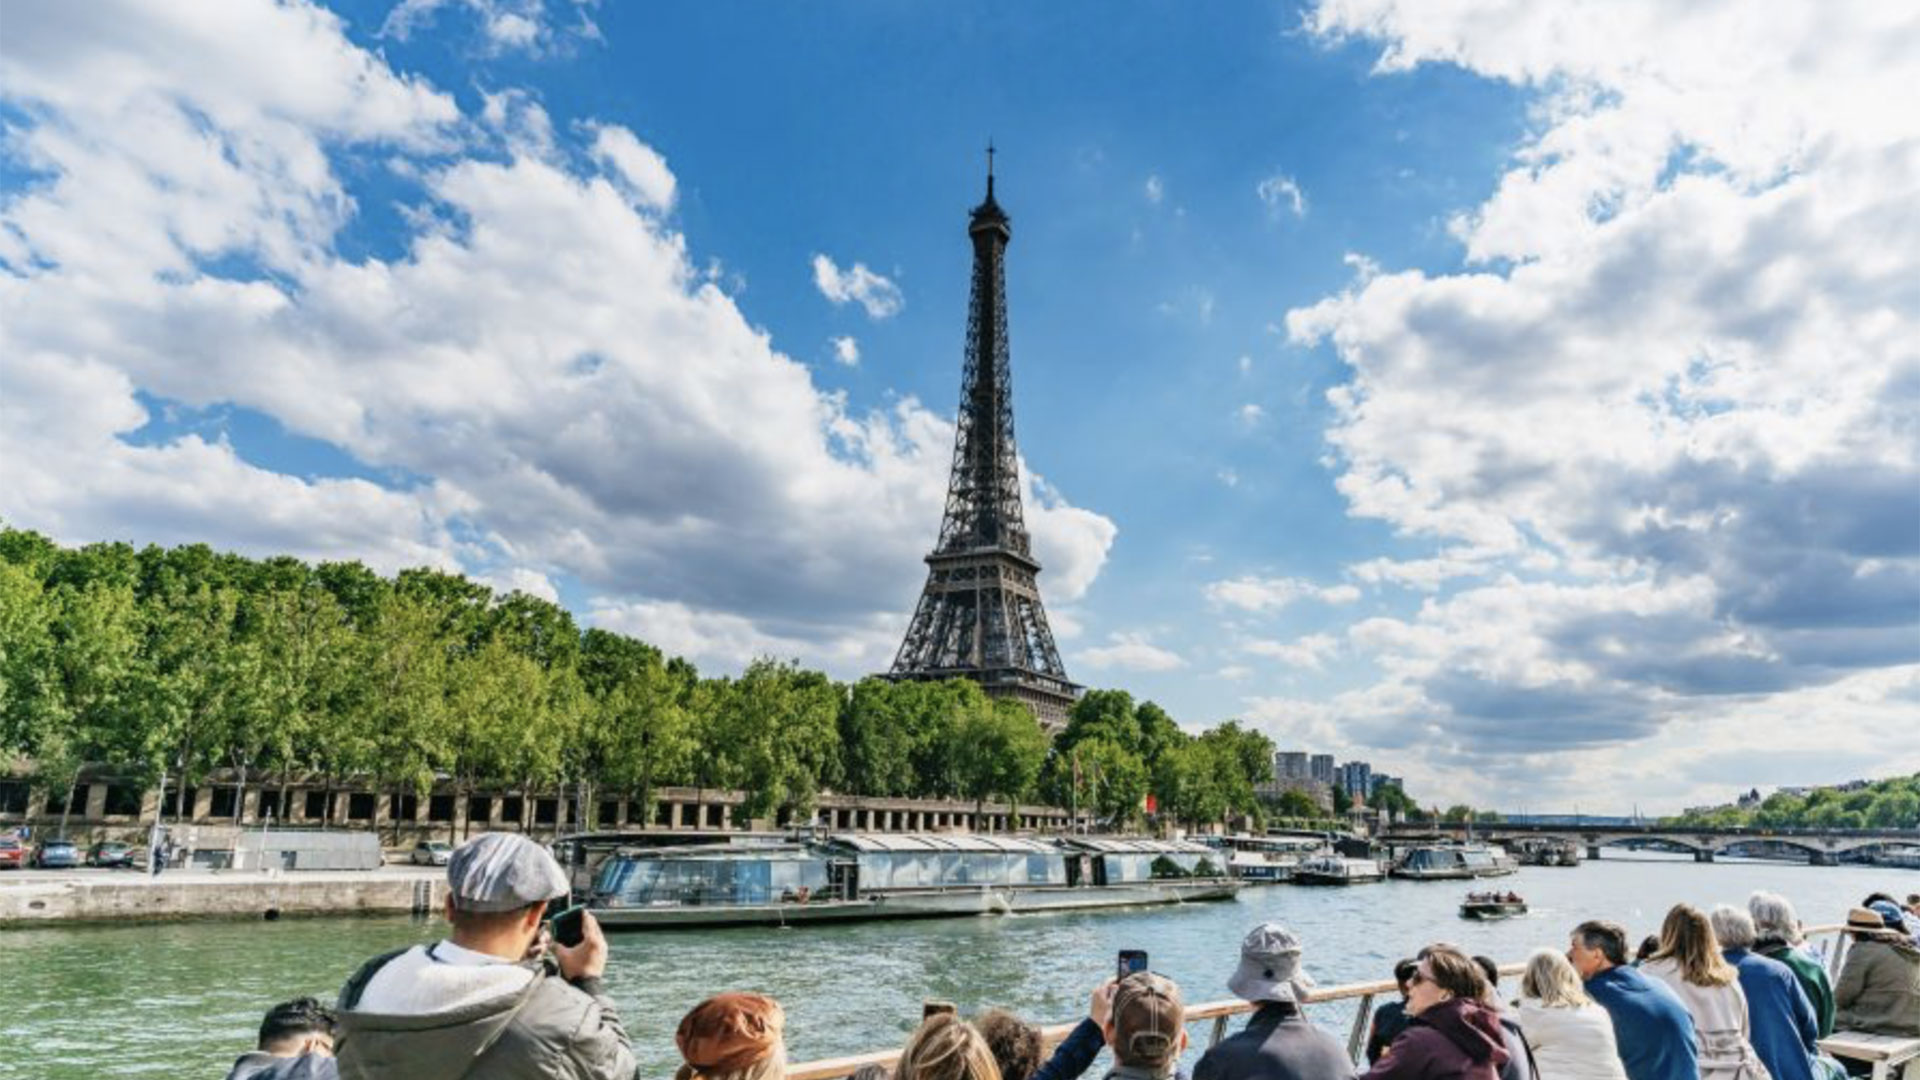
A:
(980, 615)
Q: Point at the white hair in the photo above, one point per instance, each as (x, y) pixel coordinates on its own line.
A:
(1773, 916)
(1733, 927)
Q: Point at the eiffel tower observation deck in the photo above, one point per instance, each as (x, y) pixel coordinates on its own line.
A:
(980, 615)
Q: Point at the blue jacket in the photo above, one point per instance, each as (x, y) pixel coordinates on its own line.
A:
(1651, 1026)
(1074, 1053)
(1780, 1020)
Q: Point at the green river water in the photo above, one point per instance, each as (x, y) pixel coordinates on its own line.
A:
(184, 999)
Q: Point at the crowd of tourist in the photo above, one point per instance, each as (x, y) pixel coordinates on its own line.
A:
(1726, 995)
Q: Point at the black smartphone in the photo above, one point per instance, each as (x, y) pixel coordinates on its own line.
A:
(569, 927)
(1132, 962)
(931, 1009)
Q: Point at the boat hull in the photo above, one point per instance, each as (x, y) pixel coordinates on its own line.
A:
(931, 904)
(1492, 911)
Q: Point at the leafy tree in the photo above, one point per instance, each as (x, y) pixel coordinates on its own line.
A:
(1342, 800)
(1295, 803)
(775, 735)
(999, 750)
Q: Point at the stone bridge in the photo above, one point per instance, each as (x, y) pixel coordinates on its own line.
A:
(1823, 846)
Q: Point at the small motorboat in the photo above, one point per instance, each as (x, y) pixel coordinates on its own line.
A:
(1492, 905)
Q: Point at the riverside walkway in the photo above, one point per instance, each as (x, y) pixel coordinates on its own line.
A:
(30, 897)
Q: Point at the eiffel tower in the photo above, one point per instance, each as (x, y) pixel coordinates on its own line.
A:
(980, 616)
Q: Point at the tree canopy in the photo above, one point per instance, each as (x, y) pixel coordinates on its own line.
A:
(177, 662)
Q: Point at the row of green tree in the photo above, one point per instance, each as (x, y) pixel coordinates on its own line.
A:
(167, 664)
(1893, 803)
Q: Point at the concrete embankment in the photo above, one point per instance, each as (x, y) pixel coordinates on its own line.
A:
(29, 898)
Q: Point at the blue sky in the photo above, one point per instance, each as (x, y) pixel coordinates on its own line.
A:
(1519, 399)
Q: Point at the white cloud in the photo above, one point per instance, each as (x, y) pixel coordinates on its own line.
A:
(846, 351)
(1280, 193)
(1665, 416)
(612, 417)
(1249, 415)
(1130, 652)
(505, 25)
(1155, 190)
(1229, 477)
(1233, 672)
(881, 298)
(1309, 652)
(639, 166)
(1265, 594)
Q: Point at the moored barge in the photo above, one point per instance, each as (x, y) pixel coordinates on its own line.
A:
(863, 876)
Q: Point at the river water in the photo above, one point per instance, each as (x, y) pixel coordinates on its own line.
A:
(184, 999)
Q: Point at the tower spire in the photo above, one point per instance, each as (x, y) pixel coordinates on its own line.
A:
(980, 615)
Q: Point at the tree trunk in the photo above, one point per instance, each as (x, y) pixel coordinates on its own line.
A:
(66, 806)
(240, 794)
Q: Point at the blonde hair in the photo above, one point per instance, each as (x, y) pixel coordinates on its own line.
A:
(946, 1048)
(773, 1067)
(1686, 938)
(1551, 980)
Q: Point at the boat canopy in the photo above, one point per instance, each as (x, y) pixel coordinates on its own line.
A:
(1104, 845)
(1125, 861)
(942, 842)
(709, 874)
(928, 861)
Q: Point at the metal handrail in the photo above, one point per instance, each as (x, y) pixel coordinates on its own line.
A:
(1219, 1012)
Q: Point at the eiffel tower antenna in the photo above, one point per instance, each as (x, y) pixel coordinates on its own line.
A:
(980, 615)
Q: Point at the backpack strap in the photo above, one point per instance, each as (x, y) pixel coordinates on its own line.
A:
(526, 995)
(357, 985)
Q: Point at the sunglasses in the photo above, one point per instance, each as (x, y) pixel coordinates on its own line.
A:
(1418, 977)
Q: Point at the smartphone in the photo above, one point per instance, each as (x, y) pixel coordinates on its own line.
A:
(1132, 962)
(569, 927)
(931, 1009)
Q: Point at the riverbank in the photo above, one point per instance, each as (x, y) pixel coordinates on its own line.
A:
(39, 897)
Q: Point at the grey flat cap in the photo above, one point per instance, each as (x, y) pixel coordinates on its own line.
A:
(1270, 966)
(503, 872)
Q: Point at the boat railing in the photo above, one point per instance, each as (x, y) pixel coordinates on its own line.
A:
(1217, 1014)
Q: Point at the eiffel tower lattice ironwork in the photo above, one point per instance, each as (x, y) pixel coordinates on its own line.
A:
(980, 615)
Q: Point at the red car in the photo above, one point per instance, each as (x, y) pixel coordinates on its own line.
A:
(12, 855)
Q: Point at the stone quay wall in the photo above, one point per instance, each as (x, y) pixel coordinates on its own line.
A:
(132, 896)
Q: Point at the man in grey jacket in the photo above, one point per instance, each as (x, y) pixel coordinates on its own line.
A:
(495, 1001)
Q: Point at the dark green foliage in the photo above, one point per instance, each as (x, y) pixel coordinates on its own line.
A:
(176, 662)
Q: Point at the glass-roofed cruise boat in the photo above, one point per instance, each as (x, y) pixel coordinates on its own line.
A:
(892, 876)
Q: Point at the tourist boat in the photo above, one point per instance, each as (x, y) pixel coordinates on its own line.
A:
(855, 876)
(1335, 870)
(1492, 905)
(1453, 862)
(1265, 860)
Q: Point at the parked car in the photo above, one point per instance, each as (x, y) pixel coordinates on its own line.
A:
(12, 855)
(110, 853)
(431, 853)
(56, 855)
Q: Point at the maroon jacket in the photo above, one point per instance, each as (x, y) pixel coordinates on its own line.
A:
(1454, 1040)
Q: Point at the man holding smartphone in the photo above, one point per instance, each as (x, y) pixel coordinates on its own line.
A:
(497, 999)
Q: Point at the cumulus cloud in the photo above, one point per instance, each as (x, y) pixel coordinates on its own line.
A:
(1282, 194)
(1266, 594)
(639, 167)
(505, 25)
(1662, 419)
(1155, 190)
(613, 417)
(1130, 652)
(1309, 653)
(846, 351)
(879, 297)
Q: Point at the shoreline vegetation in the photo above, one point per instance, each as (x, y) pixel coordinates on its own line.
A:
(1892, 803)
(167, 664)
